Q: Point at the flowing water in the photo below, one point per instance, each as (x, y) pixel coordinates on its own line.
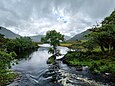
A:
(36, 72)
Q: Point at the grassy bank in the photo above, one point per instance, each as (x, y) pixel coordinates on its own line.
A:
(65, 44)
(98, 62)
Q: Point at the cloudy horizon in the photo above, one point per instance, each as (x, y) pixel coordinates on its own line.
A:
(36, 17)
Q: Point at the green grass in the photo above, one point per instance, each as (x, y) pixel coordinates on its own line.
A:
(83, 41)
(65, 44)
(97, 62)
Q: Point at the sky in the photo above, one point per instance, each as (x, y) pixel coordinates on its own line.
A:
(69, 17)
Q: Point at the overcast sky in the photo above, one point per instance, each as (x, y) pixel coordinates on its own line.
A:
(70, 17)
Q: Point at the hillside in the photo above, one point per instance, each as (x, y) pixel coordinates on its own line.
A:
(36, 38)
(79, 36)
(67, 37)
(7, 33)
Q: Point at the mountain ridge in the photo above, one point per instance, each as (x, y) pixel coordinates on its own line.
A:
(9, 34)
(79, 36)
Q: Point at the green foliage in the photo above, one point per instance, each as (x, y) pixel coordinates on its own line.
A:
(103, 66)
(99, 36)
(6, 77)
(104, 35)
(20, 44)
(23, 43)
(8, 50)
(53, 38)
(2, 42)
(97, 62)
(11, 45)
(6, 59)
(89, 45)
(51, 50)
(110, 19)
(51, 60)
(76, 46)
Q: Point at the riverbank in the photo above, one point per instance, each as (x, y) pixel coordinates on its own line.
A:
(9, 77)
(10, 51)
(15, 81)
(97, 62)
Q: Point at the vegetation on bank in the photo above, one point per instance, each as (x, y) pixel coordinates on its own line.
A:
(9, 49)
(98, 51)
(65, 44)
(20, 44)
(97, 62)
(6, 59)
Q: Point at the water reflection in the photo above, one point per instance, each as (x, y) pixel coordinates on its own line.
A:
(34, 67)
(35, 62)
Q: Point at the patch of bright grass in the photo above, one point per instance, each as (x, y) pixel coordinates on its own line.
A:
(96, 62)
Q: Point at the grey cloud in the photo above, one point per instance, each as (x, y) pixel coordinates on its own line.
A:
(67, 16)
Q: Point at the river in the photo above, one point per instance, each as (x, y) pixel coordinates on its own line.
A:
(36, 72)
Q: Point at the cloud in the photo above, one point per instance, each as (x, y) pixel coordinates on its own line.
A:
(70, 17)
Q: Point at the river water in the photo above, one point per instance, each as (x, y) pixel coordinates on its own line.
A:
(36, 72)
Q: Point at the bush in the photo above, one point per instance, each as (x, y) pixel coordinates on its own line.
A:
(5, 61)
(97, 62)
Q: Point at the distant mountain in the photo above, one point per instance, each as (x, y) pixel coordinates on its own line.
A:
(37, 38)
(67, 37)
(7, 33)
(79, 36)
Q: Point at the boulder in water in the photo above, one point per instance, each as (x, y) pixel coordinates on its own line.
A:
(51, 60)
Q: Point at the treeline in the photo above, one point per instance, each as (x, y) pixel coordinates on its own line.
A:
(20, 44)
(104, 35)
(9, 49)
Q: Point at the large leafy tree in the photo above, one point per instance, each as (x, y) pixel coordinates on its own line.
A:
(53, 38)
(104, 35)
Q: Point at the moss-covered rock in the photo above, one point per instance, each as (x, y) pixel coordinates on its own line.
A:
(51, 60)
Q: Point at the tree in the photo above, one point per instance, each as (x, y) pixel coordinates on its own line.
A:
(104, 35)
(53, 38)
(2, 42)
(19, 44)
(89, 45)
